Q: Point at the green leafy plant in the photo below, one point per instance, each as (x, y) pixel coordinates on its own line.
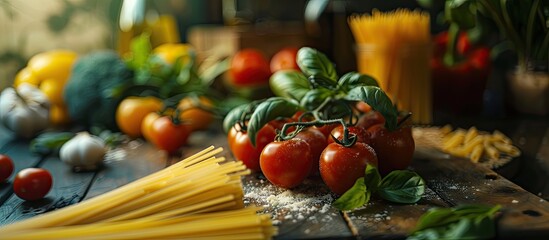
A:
(316, 89)
(522, 22)
(399, 186)
(461, 222)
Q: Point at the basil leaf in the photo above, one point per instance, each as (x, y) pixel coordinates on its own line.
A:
(319, 81)
(234, 116)
(461, 12)
(372, 179)
(353, 198)
(378, 100)
(49, 142)
(462, 222)
(269, 110)
(353, 79)
(314, 98)
(313, 62)
(290, 84)
(402, 186)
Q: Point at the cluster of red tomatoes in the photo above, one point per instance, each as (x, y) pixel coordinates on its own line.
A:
(249, 67)
(313, 151)
(30, 183)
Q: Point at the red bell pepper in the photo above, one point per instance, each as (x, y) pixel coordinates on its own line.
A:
(459, 74)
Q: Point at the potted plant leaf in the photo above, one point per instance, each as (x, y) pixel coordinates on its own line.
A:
(525, 27)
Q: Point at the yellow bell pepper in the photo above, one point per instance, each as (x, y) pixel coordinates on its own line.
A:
(49, 71)
(170, 52)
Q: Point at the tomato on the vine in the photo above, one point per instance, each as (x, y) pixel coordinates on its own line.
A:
(32, 183)
(131, 112)
(361, 134)
(394, 149)
(242, 148)
(317, 142)
(6, 167)
(370, 119)
(341, 166)
(164, 133)
(249, 67)
(286, 163)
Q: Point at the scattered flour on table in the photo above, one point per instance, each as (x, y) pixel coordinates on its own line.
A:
(306, 202)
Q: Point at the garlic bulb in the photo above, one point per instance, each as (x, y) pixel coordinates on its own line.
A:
(83, 152)
(24, 110)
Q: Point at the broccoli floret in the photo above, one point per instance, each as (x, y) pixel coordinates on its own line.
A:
(96, 87)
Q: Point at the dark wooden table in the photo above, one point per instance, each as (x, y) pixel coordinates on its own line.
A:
(306, 212)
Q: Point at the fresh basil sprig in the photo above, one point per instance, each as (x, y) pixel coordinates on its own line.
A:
(461, 222)
(362, 190)
(268, 110)
(378, 100)
(400, 186)
(314, 63)
(289, 84)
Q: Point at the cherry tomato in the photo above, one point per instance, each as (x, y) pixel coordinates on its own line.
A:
(361, 134)
(164, 133)
(369, 119)
(363, 107)
(6, 167)
(284, 59)
(32, 183)
(194, 113)
(131, 112)
(286, 163)
(249, 67)
(394, 149)
(242, 148)
(317, 142)
(327, 129)
(341, 166)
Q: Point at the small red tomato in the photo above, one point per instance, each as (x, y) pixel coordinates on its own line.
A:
(317, 142)
(164, 133)
(361, 134)
(249, 67)
(394, 149)
(341, 166)
(284, 59)
(286, 163)
(327, 129)
(242, 148)
(6, 167)
(32, 183)
(370, 119)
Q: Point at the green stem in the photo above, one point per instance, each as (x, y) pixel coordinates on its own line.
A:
(512, 33)
(530, 27)
(348, 139)
(450, 54)
(544, 47)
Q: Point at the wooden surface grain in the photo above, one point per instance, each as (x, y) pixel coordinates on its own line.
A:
(304, 212)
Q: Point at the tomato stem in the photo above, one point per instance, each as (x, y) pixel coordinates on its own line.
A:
(348, 140)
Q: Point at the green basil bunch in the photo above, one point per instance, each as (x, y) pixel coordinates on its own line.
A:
(317, 86)
(399, 186)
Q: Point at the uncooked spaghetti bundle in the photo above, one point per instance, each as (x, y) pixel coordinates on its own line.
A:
(394, 47)
(199, 197)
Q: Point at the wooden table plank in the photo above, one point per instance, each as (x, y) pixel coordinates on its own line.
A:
(126, 164)
(301, 213)
(68, 188)
(383, 219)
(6, 136)
(459, 181)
